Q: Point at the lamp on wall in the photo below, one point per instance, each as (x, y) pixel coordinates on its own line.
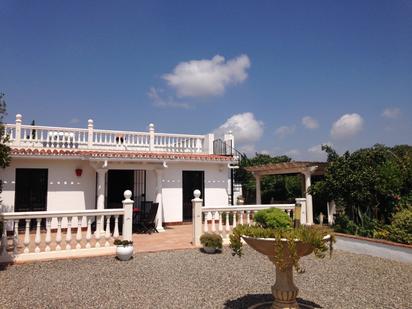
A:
(79, 172)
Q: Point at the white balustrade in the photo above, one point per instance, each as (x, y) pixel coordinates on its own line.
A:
(230, 216)
(35, 136)
(47, 247)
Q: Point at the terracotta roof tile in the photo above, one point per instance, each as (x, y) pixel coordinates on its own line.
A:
(122, 154)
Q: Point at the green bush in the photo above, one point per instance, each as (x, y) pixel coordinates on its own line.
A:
(400, 229)
(344, 225)
(273, 218)
(211, 240)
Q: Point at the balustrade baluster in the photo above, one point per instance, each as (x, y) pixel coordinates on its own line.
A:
(107, 234)
(220, 223)
(4, 239)
(37, 239)
(26, 241)
(248, 217)
(98, 230)
(116, 227)
(89, 231)
(69, 233)
(234, 219)
(227, 221)
(205, 226)
(213, 221)
(79, 232)
(241, 216)
(59, 234)
(47, 240)
(16, 237)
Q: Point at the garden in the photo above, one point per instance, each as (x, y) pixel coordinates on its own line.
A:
(372, 189)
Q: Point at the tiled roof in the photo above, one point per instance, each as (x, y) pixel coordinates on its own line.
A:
(121, 154)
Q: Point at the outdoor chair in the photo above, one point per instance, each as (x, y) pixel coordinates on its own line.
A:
(148, 224)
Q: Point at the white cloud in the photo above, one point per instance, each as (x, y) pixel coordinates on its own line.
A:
(284, 131)
(200, 78)
(159, 101)
(246, 129)
(316, 153)
(347, 126)
(310, 122)
(248, 149)
(391, 112)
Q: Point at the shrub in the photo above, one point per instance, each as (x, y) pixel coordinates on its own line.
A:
(400, 229)
(211, 240)
(123, 243)
(273, 218)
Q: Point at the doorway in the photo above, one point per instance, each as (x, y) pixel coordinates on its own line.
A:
(31, 193)
(117, 182)
(192, 180)
(31, 189)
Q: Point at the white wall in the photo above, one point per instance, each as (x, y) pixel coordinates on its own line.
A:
(215, 187)
(66, 191)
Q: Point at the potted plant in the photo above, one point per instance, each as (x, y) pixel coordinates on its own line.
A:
(240, 200)
(211, 242)
(124, 249)
(273, 236)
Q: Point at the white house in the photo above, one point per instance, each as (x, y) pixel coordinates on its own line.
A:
(60, 169)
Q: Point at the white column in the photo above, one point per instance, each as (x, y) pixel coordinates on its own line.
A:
(258, 194)
(230, 142)
(159, 216)
(101, 186)
(302, 203)
(309, 203)
(90, 133)
(331, 211)
(18, 129)
(127, 232)
(197, 218)
(208, 146)
(151, 136)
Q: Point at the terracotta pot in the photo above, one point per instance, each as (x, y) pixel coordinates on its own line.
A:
(284, 290)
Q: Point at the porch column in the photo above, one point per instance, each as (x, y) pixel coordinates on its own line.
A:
(258, 194)
(309, 203)
(101, 186)
(159, 216)
(331, 211)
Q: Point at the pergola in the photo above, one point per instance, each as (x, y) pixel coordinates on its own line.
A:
(305, 168)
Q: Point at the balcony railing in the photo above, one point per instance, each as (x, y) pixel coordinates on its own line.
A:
(34, 136)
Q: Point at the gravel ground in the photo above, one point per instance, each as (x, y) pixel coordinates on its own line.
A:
(192, 279)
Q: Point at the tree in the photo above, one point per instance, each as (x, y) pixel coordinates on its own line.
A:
(368, 183)
(4, 149)
(277, 187)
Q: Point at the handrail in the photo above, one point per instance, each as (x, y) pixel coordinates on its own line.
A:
(54, 214)
(248, 207)
(35, 127)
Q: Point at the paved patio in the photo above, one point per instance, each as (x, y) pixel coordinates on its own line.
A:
(192, 279)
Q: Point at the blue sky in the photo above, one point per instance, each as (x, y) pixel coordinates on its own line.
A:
(255, 67)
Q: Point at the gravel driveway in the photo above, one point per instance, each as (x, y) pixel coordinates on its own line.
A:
(192, 279)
